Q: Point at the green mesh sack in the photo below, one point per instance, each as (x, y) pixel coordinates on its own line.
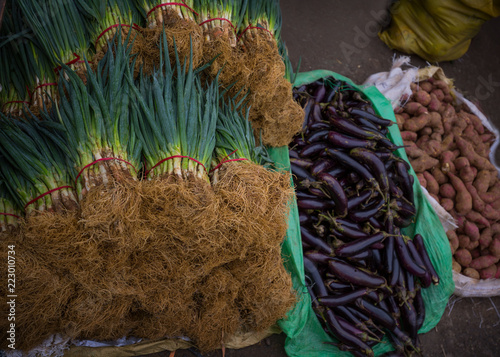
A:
(437, 30)
(305, 336)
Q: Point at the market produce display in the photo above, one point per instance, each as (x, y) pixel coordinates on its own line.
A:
(137, 191)
(354, 196)
(449, 148)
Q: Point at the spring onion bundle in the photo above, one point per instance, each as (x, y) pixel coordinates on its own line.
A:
(103, 18)
(96, 118)
(159, 13)
(263, 14)
(37, 167)
(23, 62)
(9, 213)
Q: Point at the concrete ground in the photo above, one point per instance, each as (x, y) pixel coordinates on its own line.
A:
(342, 36)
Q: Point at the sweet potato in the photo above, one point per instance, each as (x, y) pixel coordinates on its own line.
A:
(436, 123)
(494, 247)
(483, 262)
(488, 138)
(434, 105)
(426, 86)
(473, 244)
(471, 273)
(441, 84)
(471, 230)
(440, 177)
(425, 131)
(467, 150)
(482, 181)
(412, 107)
(467, 174)
(494, 179)
(438, 93)
(448, 98)
(453, 239)
(463, 257)
(476, 253)
(495, 228)
(463, 241)
(490, 213)
(478, 218)
(422, 180)
(489, 197)
(437, 136)
(461, 162)
(417, 123)
(423, 163)
(486, 238)
(455, 266)
(446, 158)
(432, 185)
(476, 122)
(448, 142)
(422, 141)
(477, 202)
(489, 272)
(399, 120)
(447, 191)
(463, 200)
(409, 135)
(447, 204)
(412, 150)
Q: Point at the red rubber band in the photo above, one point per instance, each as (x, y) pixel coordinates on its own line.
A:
(15, 101)
(249, 27)
(134, 26)
(45, 194)
(103, 159)
(73, 61)
(9, 214)
(171, 3)
(44, 85)
(173, 157)
(218, 18)
(223, 162)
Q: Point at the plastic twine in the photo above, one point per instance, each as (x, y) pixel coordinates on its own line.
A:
(173, 4)
(103, 159)
(133, 26)
(224, 160)
(73, 61)
(173, 157)
(9, 214)
(249, 27)
(218, 18)
(45, 194)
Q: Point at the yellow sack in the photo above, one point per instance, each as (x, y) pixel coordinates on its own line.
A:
(437, 30)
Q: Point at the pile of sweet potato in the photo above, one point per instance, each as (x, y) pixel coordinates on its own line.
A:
(448, 147)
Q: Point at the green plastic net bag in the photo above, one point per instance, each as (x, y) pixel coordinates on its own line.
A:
(305, 336)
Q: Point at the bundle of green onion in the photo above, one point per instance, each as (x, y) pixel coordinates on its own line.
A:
(217, 17)
(175, 118)
(23, 61)
(9, 213)
(97, 121)
(36, 168)
(264, 14)
(103, 18)
(158, 12)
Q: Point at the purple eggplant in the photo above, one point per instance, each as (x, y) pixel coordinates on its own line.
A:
(375, 223)
(314, 241)
(293, 154)
(418, 303)
(302, 163)
(318, 127)
(321, 165)
(348, 142)
(301, 173)
(319, 94)
(366, 214)
(420, 246)
(342, 299)
(315, 204)
(336, 171)
(313, 149)
(304, 218)
(336, 192)
(318, 192)
(302, 195)
(336, 286)
(362, 335)
(378, 314)
(350, 128)
(403, 207)
(372, 117)
(316, 116)
(312, 272)
(362, 197)
(320, 135)
(345, 336)
(355, 275)
(406, 259)
(365, 255)
(318, 257)
(376, 165)
(359, 245)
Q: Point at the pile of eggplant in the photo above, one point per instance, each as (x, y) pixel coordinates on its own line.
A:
(354, 197)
